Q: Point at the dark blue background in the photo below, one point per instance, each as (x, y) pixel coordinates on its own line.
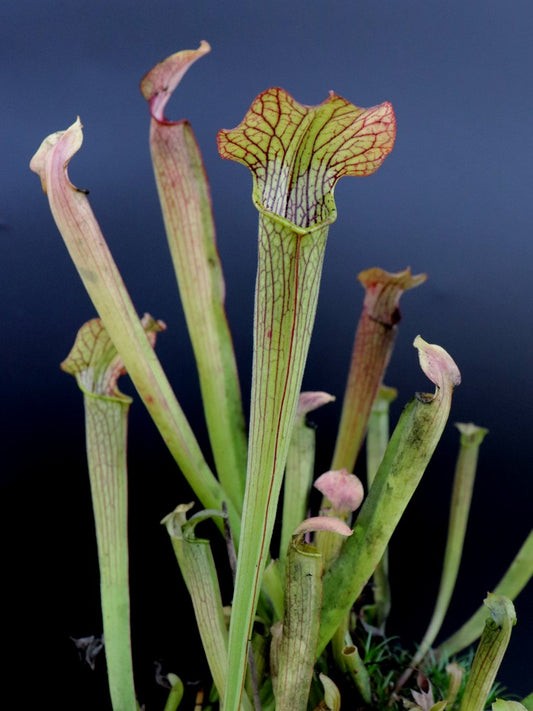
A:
(453, 200)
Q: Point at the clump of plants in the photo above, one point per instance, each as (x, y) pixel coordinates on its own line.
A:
(306, 625)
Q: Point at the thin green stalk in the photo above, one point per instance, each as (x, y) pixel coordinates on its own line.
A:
(186, 206)
(299, 470)
(348, 660)
(280, 344)
(175, 694)
(101, 278)
(514, 580)
(354, 667)
(409, 451)
(296, 154)
(377, 439)
(106, 432)
(93, 361)
(465, 472)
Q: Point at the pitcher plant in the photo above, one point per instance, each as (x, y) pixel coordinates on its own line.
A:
(306, 623)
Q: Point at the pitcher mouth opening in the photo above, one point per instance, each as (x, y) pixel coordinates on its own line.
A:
(297, 153)
(328, 220)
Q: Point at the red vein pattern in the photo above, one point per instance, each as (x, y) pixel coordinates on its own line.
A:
(94, 360)
(297, 153)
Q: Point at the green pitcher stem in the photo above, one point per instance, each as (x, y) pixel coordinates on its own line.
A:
(296, 154)
(202, 290)
(465, 472)
(299, 470)
(94, 362)
(106, 433)
(489, 653)
(303, 596)
(410, 449)
(97, 269)
(186, 206)
(376, 444)
(298, 481)
(197, 566)
(288, 276)
(511, 584)
(175, 694)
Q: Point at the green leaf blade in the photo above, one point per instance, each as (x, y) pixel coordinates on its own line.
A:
(409, 451)
(96, 366)
(102, 280)
(465, 471)
(186, 206)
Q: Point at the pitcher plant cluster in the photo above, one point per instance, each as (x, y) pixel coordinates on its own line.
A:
(306, 624)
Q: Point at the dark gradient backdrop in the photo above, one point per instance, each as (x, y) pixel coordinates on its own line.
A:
(453, 200)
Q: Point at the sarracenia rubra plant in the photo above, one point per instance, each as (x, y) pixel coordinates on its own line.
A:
(302, 630)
